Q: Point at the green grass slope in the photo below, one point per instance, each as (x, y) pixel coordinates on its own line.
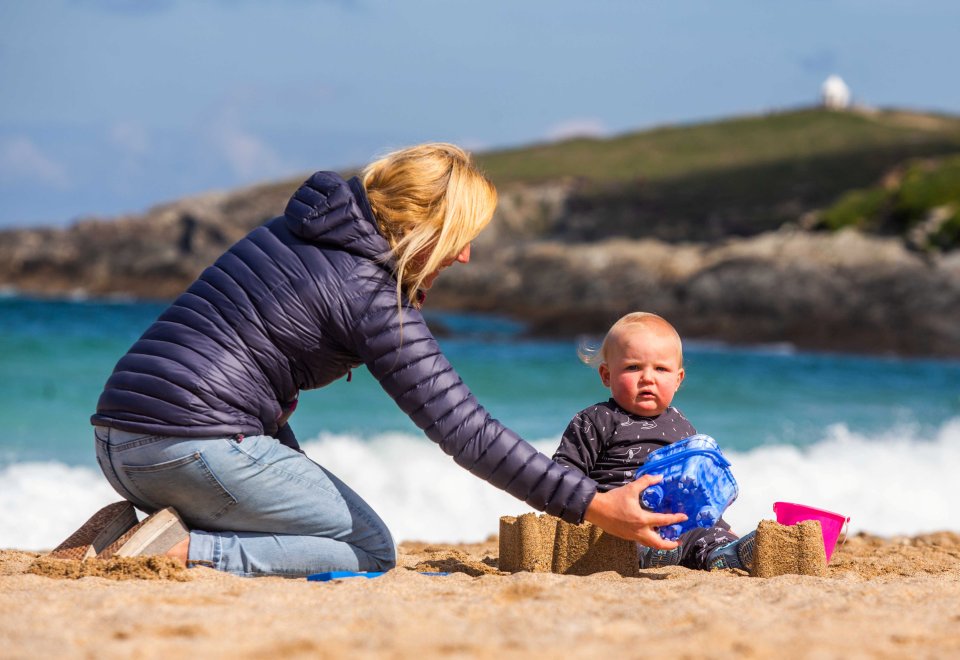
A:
(741, 143)
(734, 177)
(920, 201)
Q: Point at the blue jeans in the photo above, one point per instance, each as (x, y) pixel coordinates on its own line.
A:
(253, 505)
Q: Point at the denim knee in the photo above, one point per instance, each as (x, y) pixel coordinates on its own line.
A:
(385, 560)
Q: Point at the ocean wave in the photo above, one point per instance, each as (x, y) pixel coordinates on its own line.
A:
(891, 484)
(897, 483)
(42, 503)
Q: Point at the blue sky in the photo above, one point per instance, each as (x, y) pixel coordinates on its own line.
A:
(111, 106)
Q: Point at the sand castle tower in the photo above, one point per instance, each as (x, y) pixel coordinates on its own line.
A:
(835, 93)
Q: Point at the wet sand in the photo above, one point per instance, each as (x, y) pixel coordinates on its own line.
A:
(881, 597)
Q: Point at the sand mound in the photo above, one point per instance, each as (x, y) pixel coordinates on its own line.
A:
(116, 568)
(14, 562)
(455, 561)
(867, 557)
(881, 598)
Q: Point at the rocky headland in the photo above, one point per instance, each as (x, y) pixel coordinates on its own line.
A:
(738, 256)
(844, 291)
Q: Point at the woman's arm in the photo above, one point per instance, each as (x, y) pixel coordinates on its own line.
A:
(408, 363)
(410, 367)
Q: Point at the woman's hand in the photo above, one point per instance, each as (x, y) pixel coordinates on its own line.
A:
(619, 512)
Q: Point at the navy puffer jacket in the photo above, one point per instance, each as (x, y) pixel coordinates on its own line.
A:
(295, 305)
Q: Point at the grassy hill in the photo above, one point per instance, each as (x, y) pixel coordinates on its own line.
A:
(747, 142)
(893, 173)
(734, 177)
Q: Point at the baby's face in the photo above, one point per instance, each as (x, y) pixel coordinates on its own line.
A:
(643, 368)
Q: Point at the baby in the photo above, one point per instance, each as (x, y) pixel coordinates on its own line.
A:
(641, 362)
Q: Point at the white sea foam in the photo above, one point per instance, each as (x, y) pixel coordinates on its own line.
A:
(899, 483)
(42, 503)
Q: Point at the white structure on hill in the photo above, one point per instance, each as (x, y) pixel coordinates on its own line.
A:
(835, 93)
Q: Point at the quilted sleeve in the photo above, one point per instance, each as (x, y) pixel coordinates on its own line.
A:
(407, 361)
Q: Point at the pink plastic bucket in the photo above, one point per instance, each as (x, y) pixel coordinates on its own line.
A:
(832, 524)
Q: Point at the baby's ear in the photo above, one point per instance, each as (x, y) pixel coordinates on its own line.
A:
(680, 376)
(604, 372)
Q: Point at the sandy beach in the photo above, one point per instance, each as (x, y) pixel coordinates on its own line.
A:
(882, 597)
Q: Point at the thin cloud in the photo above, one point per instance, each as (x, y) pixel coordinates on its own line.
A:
(351, 5)
(147, 7)
(818, 62)
(575, 128)
(22, 161)
(473, 145)
(130, 137)
(248, 156)
(129, 7)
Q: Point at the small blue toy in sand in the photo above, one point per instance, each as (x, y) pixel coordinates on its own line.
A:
(696, 481)
(329, 576)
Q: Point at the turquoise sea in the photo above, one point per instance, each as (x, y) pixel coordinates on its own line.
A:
(874, 438)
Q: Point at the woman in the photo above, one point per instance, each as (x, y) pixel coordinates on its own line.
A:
(193, 420)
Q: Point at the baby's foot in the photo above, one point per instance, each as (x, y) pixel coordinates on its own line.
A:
(736, 554)
(651, 558)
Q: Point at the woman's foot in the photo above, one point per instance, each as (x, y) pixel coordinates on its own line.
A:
(181, 550)
(101, 530)
(162, 533)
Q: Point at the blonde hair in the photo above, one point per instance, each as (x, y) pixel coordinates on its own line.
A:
(429, 202)
(594, 356)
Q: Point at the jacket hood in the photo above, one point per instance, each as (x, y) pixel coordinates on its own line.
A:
(328, 210)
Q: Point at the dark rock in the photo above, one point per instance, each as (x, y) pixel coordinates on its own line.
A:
(844, 291)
